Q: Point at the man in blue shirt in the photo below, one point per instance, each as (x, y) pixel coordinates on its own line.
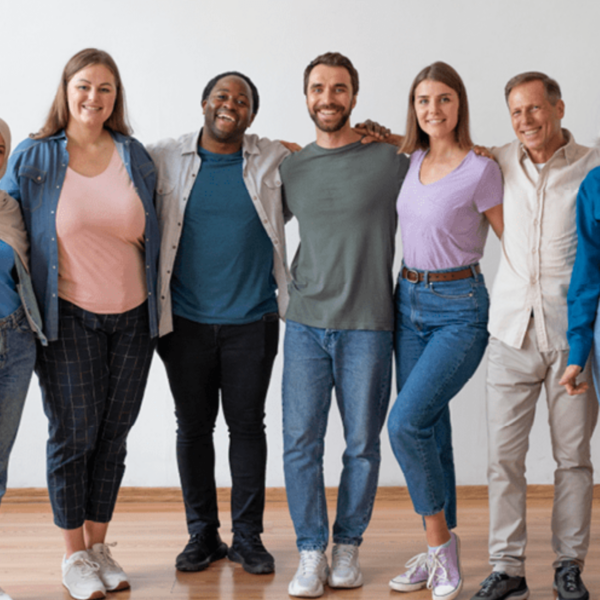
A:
(222, 264)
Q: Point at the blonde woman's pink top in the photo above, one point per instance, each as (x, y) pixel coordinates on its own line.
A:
(100, 227)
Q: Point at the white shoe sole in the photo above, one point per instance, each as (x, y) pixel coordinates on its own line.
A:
(97, 595)
(407, 587)
(358, 582)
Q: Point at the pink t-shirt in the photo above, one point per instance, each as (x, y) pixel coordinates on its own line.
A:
(442, 223)
(100, 224)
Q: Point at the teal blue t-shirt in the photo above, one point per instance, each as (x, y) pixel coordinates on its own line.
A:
(223, 272)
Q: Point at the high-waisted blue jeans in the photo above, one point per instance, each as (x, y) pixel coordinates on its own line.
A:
(17, 357)
(441, 336)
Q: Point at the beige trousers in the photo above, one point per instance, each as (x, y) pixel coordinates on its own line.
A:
(514, 382)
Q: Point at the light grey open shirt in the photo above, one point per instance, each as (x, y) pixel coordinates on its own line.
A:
(178, 163)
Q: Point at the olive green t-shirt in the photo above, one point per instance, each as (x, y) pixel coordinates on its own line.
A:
(345, 203)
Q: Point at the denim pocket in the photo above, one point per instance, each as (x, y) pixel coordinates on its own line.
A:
(453, 290)
(33, 183)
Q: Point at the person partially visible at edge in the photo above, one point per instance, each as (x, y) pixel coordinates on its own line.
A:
(20, 320)
(528, 349)
(584, 290)
(340, 321)
(86, 189)
(448, 200)
(223, 287)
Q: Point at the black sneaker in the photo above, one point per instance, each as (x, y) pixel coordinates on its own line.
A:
(567, 582)
(201, 550)
(500, 586)
(249, 551)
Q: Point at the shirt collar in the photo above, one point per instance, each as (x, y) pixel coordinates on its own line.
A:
(249, 145)
(569, 150)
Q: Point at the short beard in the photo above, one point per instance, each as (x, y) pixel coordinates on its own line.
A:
(330, 128)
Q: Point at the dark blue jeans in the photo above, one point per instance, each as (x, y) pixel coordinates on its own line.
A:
(202, 361)
(17, 357)
(93, 380)
(441, 336)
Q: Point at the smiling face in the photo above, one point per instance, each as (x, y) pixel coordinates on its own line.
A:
(436, 106)
(535, 120)
(228, 111)
(91, 95)
(330, 98)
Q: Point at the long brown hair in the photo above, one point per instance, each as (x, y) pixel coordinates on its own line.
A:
(416, 138)
(58, 116)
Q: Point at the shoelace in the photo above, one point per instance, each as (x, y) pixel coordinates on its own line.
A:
(254, 542)
(488, 585)
(434, 563)
(572, 578)
(416, 562)
(343, 556)
(104, 555)
(309, 561)
(90, 567)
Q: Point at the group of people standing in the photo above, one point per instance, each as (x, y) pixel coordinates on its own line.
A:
(181, 245)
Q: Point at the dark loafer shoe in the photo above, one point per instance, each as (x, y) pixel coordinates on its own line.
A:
(249, 551)
(567, 582)
(202, 549)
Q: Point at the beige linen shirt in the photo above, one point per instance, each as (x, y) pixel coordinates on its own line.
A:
(177, 163)
(539, 242)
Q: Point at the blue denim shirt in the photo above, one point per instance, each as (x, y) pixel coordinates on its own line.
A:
(35, 176)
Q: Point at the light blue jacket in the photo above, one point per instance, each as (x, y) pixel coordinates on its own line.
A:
(35, 176)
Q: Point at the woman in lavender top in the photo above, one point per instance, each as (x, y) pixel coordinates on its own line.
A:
(448, 200)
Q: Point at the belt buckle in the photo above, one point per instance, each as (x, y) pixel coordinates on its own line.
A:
(413, 272)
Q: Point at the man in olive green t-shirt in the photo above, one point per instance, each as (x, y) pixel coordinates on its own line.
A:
(340, 322)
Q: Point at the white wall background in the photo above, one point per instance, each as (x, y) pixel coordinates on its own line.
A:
(167, 51)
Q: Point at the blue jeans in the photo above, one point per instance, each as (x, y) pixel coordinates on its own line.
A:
(17, 357)
(441, 336)
(358, 364)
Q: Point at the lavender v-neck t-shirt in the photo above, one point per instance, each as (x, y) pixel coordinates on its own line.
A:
(442, 223)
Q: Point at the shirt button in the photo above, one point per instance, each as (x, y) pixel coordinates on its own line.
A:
(265, 221)
(168, 271)
(52, 239)
(54, 266)
(162, 297)
(534, 251)
(179, 224)
(149, 293)
(174, 247)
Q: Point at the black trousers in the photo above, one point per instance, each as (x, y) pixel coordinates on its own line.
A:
(236, 360)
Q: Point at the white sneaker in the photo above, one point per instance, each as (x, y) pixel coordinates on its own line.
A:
(415, 578)
(112, 575)
(311, 575)
(345, 568)
(4, 595)
(80, 577)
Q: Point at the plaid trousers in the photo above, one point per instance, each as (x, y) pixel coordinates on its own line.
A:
(93, 380)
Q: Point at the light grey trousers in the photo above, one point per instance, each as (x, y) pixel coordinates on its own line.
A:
(514, 381)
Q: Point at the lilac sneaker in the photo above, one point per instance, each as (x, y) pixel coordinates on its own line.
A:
(445, 579)
(415, 578)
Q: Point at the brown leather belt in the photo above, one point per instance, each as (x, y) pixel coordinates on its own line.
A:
(418, 276)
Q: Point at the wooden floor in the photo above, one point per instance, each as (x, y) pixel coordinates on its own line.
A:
(150, 535)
